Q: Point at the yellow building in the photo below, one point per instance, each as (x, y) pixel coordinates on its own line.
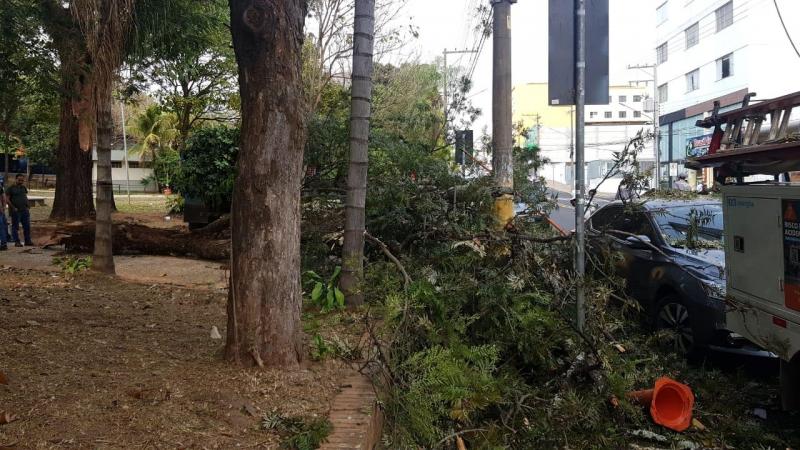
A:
(608, 128)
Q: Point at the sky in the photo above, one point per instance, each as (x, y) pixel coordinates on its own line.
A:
(450, 24)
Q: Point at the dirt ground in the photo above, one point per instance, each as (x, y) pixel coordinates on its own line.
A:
(94, 362)
(184, 272)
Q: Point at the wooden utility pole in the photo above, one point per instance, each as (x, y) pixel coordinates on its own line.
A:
(502, 141)
(360, 112)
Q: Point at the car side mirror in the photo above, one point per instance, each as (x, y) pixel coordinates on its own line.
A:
(640, 242)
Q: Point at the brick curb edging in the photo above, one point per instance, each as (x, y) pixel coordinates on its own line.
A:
(356, 416)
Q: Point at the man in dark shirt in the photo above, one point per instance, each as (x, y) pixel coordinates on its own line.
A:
(18, 203)
(3, 223)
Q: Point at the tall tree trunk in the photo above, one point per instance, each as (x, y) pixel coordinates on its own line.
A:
(361, 98)
(74, 198)
(103, 259)
(264, 298)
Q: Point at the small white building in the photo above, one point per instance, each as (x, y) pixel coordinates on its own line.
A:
(608, 129)
(137, 170)
(718, 50)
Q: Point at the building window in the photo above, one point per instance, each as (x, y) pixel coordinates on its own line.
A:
(607, 114)
(661, 14)
(661, 53)
(663, 93)
(116, 164)
(623, 114)
(724, 16)
(610, 100)
(692, 35)
(623, 98)
(637, 98)
(725, 66)
(637, 114)
(693, 80)
(593, 114)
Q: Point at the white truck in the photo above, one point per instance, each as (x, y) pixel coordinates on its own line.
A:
(762, 260)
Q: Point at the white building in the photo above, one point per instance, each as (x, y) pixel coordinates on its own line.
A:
(137, 170)
(608, 129)
(719, 50)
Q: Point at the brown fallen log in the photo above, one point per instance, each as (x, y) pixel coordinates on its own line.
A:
(135, 239)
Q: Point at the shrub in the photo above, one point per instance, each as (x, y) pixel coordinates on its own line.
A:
(208, 167)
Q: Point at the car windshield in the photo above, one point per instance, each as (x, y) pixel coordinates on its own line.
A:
(692, 226)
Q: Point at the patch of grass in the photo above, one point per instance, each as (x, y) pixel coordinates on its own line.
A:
(73, 264)
(149, 204)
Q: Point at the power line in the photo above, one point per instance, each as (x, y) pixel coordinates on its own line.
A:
(788, 36)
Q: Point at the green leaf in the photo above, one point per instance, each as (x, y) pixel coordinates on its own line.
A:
(339, 297)
(331, 298)
(317, 292)
(336, 272)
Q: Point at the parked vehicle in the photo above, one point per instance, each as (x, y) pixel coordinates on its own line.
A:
(674, 265)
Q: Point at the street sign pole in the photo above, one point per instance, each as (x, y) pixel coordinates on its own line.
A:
(580, 182)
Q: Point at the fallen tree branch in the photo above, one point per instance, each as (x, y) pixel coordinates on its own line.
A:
(406, 279)
(216, 226)
(134, 239)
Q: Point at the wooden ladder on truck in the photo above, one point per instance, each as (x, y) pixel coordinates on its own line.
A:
(743, 126)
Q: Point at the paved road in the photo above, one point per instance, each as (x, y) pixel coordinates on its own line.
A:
(564, 215)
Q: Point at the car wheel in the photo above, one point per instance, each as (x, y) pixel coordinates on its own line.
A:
(672, 315)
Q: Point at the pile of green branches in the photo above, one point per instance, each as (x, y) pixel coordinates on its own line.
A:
(482, 346)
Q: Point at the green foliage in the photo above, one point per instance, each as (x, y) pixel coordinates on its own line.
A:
(208, 167)
(320, 349)
(73, 264)
(175, 203)
(29, 98)
(325, 293)
(328, 137)
(183, 52)
(446, 386)
(166, 167)
(155, 131)
(298, 433)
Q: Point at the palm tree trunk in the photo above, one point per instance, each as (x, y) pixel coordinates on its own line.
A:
(103, 257)
(355, 206)
(264, 299)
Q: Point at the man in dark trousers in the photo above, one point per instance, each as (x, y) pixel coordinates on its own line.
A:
(18, 203)
(3, 223)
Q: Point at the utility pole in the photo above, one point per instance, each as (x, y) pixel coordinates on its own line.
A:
(656, 137)
(502, 141)
(580, 102)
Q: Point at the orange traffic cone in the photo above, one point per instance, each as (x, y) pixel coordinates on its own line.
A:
(670, 403)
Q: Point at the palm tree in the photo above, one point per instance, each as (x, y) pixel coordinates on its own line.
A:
(353, 248)
(156, 132)
(106, 25)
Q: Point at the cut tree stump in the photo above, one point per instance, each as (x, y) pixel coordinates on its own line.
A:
(135, 239)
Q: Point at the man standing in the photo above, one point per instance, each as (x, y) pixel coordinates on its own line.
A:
(18, 202)
(682, 184)
(3, 223)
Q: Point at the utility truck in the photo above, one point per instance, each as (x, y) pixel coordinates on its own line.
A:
(761, 226)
